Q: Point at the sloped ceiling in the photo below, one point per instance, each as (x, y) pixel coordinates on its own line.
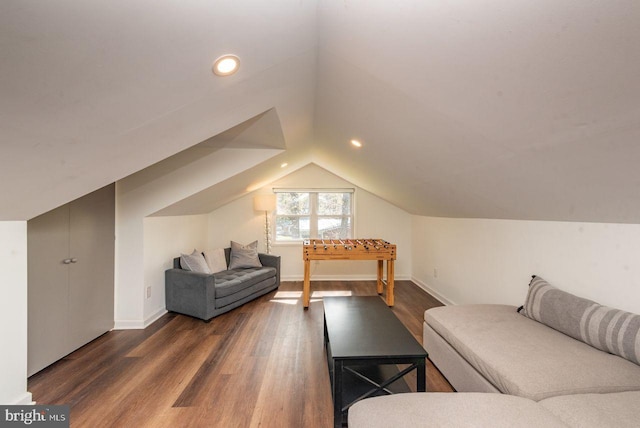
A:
(509, 109)
(91, 92)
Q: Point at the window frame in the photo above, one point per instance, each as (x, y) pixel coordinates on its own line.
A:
(313, 215)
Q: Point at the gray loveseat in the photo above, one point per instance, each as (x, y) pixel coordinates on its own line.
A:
(205, 296)
(560, 360)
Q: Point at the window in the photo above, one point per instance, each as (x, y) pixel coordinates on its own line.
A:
(323, 214)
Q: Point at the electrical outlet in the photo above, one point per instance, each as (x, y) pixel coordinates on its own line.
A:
(435, 272)
(148, 292)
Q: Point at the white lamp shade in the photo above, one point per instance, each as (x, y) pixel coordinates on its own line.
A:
(264, 202)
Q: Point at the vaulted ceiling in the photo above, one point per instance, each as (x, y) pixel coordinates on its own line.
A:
(526, 109)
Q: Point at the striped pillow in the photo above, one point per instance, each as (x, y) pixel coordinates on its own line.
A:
(610, 330)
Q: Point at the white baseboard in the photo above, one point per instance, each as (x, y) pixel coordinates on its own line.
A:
(154, 317)
(25, 400)
(139, 324)
(128, 325)
(341, 278)
(433, 292)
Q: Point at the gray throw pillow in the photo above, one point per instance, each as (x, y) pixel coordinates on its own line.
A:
(237, 246)
(610, 330)
(194, 262)
(244, 256)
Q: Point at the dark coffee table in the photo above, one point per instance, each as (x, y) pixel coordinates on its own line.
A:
(364, 341)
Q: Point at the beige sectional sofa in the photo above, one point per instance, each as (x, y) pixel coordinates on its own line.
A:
(493, 348)
(473, 409)
(558, 358)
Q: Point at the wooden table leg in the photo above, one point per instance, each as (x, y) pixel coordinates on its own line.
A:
(306, 289)
(390, 283)
(380, 269)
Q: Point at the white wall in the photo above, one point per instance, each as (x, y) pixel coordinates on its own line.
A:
(143, 194)
(374, 218)
(491, 261)
(13, 313)
(164, 239)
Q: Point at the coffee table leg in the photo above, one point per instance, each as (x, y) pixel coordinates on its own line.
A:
(337, 393)
(422, 374)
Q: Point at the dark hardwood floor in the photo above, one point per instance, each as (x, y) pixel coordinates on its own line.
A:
(262, 364)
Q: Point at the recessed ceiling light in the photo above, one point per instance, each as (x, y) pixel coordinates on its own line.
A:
(226, 65)
(356, 143)
(284, 165)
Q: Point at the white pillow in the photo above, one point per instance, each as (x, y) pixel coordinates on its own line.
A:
(194, 262)
(216, 260)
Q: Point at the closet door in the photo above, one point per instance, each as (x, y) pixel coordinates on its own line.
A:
(48, 289)
(91, 248)
(70, 277)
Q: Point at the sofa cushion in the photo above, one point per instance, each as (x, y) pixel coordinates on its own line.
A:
(596, 410)
(257, 289)
(235, 280)
(437, 409)
(610, 330)
(523, 357)
(194, 262)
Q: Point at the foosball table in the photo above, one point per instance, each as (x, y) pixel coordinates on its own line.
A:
(350, 249)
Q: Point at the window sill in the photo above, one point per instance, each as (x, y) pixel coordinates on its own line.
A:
(287, 244)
